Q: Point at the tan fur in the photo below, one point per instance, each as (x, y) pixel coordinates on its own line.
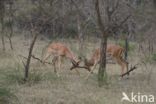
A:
(115, 51)
(59, 51)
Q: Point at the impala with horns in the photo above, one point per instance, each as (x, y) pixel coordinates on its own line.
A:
(114, 51)
(58, 51)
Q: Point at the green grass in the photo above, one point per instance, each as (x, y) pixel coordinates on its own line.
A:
(154, 57)
(150, 58)
(7, 97)
(12, 74)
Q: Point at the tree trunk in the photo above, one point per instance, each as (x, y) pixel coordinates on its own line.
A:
(154, 2)
(27, 66)
(102, 75)
(149, 47)
(63, 19)
(2, 33)
(126, 47)
(11, 25)
(2, 12)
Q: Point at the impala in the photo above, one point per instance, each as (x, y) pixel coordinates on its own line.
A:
(114, 51)
(59, 51)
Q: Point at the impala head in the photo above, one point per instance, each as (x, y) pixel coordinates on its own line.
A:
(88, 63)
(76, 61)
(77, 64)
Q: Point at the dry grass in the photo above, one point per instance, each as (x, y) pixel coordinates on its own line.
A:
(44, 87)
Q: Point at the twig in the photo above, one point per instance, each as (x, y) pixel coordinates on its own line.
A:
(23, 63)
(131, 69)
(124, 20)
(73, 67)
(23, 56)
(34, 57)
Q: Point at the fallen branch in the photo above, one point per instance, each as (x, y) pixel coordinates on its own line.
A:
(36, 58)
(73, 67)
(131, 69)
(77, 66)
(40, 60)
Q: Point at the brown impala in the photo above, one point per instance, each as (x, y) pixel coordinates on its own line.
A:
(114, 51)
(58, 51)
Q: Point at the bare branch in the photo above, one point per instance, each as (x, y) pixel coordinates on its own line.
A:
(99, 18)
(29, 56)
(82, 13)
(79, 11)
(111, 11)
(73, 67)
(131, 69)
(125, 20)
(119, 25)
(23, 64)
(34, 57)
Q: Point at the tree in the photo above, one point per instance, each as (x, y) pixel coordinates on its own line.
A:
(27, 66)
(2, 12)
(104, 36)
(10, 23)
(112, 22)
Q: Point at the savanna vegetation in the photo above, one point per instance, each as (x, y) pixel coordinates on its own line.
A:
(29, 26)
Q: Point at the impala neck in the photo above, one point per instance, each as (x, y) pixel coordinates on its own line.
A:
(89, 62)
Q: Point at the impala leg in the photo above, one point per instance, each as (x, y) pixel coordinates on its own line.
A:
(54, 61)
(91, 70)
(121, 64)
(125, 64)
(59, 64)
(46, 57)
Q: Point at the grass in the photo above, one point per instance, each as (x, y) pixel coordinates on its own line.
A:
(149, 58)
(154, 56)
(7, 97)
(44, 87)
